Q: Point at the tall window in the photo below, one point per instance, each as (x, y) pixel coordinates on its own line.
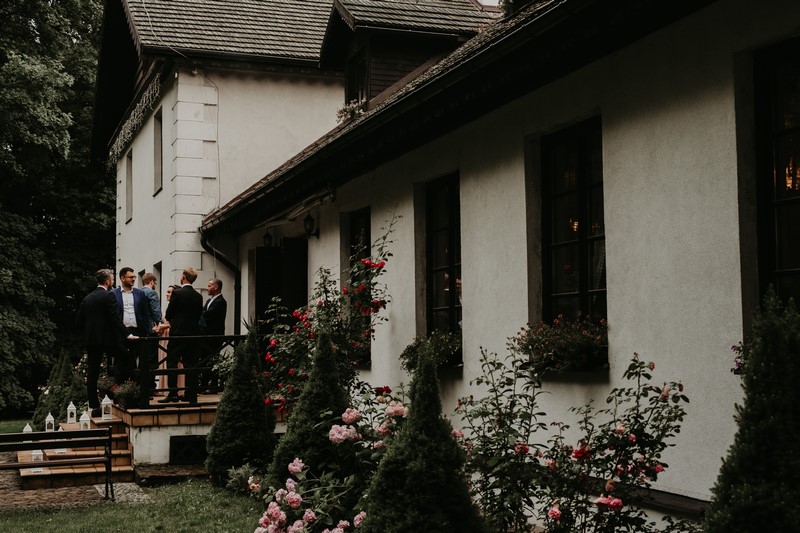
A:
(359, 240)
(158, 153)
(573, 232)
(129, 186)
(778, 116)
(358, 78)
(443, 255)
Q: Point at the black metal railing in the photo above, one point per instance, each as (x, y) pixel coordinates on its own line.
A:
(205, 349)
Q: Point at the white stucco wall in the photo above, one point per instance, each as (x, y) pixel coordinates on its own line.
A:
(671, 212)
(222, 131)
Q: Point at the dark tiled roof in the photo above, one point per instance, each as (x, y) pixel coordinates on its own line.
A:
(291, 29)
(451, 16)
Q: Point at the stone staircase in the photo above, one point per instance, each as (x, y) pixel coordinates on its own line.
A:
(73, 476)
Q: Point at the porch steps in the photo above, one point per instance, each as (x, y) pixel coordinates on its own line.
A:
(73, 476)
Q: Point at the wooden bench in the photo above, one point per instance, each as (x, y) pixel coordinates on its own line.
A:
(53, 440)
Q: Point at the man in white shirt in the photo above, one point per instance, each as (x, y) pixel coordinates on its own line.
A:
(132, 307)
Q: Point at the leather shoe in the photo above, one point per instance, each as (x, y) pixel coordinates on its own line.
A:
(168, 399)
(96, 412)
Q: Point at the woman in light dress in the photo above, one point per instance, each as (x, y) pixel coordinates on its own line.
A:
(163, 331)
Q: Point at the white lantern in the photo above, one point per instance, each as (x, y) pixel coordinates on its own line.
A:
(27, 429)
(85, 420)
(72, 413)
(49, 423)
(37, 455)
(105, 407)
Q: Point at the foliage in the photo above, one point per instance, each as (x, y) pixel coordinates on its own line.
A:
(564, 344)
(63, 386)
(243, 431)
(349, 316)
(444, 346)
(741, 357)
(596, 484)
(349, 111)
(757, 489)
(57, 211)
(126, 394)
(420, 483)
(306, 433)
(500, 428)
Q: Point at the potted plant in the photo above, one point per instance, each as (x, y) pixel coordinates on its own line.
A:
(564, 345)
(126, 394)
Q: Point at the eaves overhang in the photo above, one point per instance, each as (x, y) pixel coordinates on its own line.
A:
(540, 44)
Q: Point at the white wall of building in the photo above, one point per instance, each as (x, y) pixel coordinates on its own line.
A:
(222, 132)
(671, 212)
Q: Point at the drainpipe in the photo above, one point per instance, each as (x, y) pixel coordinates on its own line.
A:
(237, 281)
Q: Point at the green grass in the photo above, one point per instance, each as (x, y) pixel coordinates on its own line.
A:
(12, 426)
(190, 506)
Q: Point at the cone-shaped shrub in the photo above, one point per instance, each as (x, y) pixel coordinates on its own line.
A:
(63, 386)
(306, 438)
(757, 489)
(244, 430)
(420, 483)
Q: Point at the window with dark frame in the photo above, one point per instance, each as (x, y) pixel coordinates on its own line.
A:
(358, 78)
(573, 230)
(158, 153)
(777, 107)
(443, 232)
(359, 246)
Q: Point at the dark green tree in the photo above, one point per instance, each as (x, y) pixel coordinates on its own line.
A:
(64, 386)
(323, 400)
(757, 488)
(244, 430)
(420, 483)
(56, 210)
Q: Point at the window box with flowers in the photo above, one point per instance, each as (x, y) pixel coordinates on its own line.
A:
(564, 345)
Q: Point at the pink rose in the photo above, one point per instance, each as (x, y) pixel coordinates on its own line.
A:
(309, 517)
(291, 485)
(554, 512)
(396, 408)
(294, 500)
(359, 518)
(350, 416)
(280, 494)
(457, 433)
(296, 466)
(631, 438)
(343, 524)
(521, 448)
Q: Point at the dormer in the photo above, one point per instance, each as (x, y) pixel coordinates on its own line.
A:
(383, 44)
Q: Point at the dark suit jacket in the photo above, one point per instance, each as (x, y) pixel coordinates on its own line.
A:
(184, 311)
(213, 318)
(99, 320)
(140, 309)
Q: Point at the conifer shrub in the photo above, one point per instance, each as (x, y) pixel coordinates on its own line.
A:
(757, 488)
(244, 429)
(321, 402)
(420, 483)
(63, 386)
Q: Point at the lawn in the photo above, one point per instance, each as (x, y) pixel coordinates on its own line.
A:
(190, 506)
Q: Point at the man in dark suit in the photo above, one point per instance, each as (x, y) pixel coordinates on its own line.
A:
(213, 323)
(183, 314)
(133, 308)
(103, 332)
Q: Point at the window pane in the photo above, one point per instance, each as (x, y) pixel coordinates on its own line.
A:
(566, 218)
(787, 112)
(788, 236)
(596, 159)
(565, 168)
(441, 289)
(440, 207)
(441, 320)
(565, 269)
(439, 248)
(596, 215)
(568, 307)
(597, 305)
(787, 169)
(597, 264)
(789, 286)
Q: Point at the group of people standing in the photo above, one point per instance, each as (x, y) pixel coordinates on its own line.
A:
(113, 320)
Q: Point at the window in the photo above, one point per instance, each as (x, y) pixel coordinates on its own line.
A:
(158, 153)
(443, 237)
(358, 78)
(358, 245)
(129, 186)
(573, 233)
(778, 118)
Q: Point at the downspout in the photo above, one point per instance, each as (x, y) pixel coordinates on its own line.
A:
(237, 281)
